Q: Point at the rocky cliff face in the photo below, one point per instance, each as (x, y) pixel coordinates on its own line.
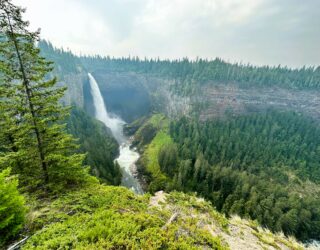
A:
(229, 98)
(125, 94)
(131, 95)
(132, 88)
(75, 92)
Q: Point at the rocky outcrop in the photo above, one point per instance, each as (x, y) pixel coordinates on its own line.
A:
(234, 232)
(75, 92)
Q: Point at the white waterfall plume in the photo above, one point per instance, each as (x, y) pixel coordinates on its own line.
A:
(127, 157)
(114, 123)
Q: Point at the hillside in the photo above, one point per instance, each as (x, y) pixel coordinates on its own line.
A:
(97, 142)
(105, 217)
(253, 166)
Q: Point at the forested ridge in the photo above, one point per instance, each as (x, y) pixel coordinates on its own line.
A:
(97, 142)
(255, 143)
(190, 74)
(261, 166)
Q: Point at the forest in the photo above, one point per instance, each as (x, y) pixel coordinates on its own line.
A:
(261, 166)
(97, 142)
(59, 182)
(190, 74)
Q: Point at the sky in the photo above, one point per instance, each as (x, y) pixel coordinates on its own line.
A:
(259, 32)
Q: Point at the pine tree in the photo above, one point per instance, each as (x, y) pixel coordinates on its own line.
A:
(32, 117)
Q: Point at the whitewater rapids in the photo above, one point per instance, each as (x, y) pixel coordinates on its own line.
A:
(127, 157)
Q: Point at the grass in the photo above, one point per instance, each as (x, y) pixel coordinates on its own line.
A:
(161, 139)
(159, 121)
(199, 206)
(268, 238)
(151, 151)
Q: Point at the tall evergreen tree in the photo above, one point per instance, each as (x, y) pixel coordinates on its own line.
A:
(35, 143)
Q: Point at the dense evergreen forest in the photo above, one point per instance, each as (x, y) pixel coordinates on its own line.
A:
(190, 74)
(65, 61)
(98, 143)
(262, 166)
(255, 143)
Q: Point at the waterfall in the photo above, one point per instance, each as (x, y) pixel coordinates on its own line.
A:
(114, 123)
(127, 157)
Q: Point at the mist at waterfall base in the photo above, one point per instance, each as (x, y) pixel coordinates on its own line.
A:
(127, 157)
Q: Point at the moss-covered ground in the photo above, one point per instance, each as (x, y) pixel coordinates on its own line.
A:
(106, 217)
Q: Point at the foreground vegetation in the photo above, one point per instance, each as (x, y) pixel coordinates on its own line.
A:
(35, 149)
(105, 217)
(12, 207)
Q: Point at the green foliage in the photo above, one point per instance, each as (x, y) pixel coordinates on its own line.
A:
(189, 201)
(259, 142)
(190, 74)
(144, 135)
(12, 209)
(154, 131)
(97, 141)
(148, 128)
(32, 136)
(104, 217)
(168, 158)
(65, 62)
(256, 166)
(150, 160)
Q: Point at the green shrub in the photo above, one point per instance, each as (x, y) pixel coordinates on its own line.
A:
(106, 217)
(12, 208)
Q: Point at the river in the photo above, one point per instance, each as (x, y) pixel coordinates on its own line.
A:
(127, 156)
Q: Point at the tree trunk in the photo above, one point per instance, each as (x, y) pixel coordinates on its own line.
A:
(31, 107)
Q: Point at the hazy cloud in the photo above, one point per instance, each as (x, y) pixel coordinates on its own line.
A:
(257, 31)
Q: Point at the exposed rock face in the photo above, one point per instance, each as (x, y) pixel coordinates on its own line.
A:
(131, 95)
(171, 104)
(232, 99)
(124, 94)
(75, 93)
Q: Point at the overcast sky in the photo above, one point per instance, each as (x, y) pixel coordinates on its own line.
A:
(273, 32)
